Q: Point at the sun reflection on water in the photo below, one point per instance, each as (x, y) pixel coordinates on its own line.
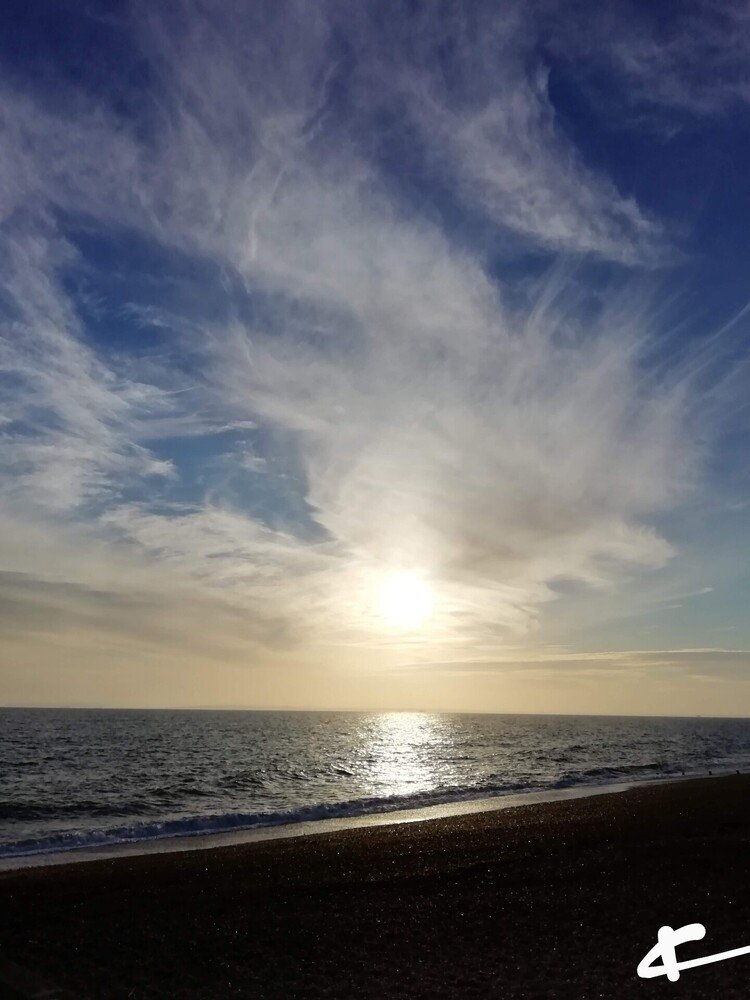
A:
(400, 750)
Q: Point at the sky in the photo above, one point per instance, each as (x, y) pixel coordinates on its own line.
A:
(375, 355)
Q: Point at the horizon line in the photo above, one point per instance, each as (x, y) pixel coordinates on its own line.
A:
(353, 711)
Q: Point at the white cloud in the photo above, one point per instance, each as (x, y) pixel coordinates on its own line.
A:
(498, 446)
(244, 98)
(501, 451)
(502, 150)
(696, 61)
(71, 411)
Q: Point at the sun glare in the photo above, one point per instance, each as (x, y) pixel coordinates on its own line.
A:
(405, 600)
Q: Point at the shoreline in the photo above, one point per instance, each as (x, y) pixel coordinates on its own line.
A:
(555, 899)
(171, 843)
(558, 899)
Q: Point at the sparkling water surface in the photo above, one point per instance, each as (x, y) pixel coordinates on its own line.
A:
(72, 778)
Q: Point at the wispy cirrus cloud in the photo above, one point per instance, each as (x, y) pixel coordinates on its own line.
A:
(476, 92)
(230, 123)
(500, 435)
(695, 60)
(67, 439)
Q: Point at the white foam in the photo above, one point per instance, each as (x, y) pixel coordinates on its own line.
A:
(203, 840)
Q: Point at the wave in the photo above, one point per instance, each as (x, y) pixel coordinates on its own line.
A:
(199, 825)
(229, 822)
(614, 772)
(20, 810)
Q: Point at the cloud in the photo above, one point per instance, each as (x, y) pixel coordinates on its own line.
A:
(694, 61)
(710, 665)
(499, 436)
(69, 411)
(490, 130)
(234, 117)
(502, 449)
(43, 608)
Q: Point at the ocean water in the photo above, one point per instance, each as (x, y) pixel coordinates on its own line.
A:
(75, 778)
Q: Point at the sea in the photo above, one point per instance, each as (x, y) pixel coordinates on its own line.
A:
(73, 779)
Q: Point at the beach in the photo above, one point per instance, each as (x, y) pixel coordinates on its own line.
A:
(557, 899)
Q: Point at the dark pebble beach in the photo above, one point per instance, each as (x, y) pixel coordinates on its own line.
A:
(558, 900)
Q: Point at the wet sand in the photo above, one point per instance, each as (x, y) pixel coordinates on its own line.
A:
(555, 900)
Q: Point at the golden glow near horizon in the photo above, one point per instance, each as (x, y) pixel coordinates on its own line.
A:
(405, 600)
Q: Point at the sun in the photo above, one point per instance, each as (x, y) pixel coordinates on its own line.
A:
(405, 600)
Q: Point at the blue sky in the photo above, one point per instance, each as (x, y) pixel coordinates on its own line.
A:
(307, 304)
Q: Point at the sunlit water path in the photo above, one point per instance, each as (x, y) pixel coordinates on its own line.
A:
(81, 778)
